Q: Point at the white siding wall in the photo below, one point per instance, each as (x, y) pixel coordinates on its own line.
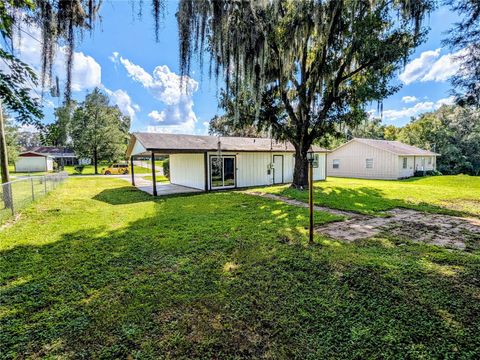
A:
(31, 164)
(403, 173)
(49, 164)
(252, 167)
(188, 170)
(319, 173)
(353, 157)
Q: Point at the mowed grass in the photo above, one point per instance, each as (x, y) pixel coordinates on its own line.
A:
(98, 269)
(456, 195)
(159, 178)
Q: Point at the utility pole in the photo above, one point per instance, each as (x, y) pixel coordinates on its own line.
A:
(3, 148)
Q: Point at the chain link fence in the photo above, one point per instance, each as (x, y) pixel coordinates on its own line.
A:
(17, 194)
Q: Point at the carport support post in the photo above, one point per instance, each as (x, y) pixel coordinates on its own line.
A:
(154, 177)
(133, 174)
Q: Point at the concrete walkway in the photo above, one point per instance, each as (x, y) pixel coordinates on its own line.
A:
(163, 188)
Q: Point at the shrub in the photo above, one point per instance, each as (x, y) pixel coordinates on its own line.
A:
(166, 167)
(79, 168)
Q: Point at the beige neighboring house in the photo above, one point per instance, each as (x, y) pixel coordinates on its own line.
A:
(379, 159)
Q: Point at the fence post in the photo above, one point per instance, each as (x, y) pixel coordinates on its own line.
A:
(33, 191)
(10, 197)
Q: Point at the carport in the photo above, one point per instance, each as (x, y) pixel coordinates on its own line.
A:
(148, 148)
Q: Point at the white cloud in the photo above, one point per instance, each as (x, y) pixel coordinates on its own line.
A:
(123, 101)
(430, 66)
(418, 67)
(409, 99)
(415, 110)
(174, 91)
(86, 72)
(445, 101)
(187, 127)
(157, 116)
(444, 68)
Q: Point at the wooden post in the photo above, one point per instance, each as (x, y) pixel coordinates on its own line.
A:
(205, 165)
(154, 176)
(310, 198)
(133, 174)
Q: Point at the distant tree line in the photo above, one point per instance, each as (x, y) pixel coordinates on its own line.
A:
(93, 128)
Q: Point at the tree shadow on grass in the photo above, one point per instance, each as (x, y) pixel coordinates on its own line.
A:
(212, 277)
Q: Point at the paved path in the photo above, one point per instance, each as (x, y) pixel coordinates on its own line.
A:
(437, 229)
(299, 203)
(163, 188)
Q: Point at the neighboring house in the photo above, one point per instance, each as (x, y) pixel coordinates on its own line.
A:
(61, 155)
(210, 162)
(30, 161)
(379, 159)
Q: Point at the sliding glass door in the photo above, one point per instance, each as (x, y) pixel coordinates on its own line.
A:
(222, 171)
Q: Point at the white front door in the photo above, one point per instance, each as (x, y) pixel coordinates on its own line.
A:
(278, 169)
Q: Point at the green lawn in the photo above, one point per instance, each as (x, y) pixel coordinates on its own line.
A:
(98, 269)
(458, 194)
(159, 178)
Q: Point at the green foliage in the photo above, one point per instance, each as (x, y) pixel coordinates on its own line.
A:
(15, 90)
(452, 131)
(166, 168)
(318, 61)
(11, 138)
(98, 130)
(98, 269)
(240, 117)
(465, 37)
(79, 168)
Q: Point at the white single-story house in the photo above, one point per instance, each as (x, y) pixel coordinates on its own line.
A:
(62, 155)
(379, 159)
(211, 163)
(30, 161)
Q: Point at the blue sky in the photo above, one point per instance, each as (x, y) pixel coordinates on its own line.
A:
(141, 75)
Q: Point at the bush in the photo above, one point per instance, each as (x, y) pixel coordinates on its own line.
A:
(166, 167)
(79, 168)
(433, 173)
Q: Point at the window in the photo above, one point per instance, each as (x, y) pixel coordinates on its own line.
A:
(369, 163)
(405, 161)
(336, 164)
(429, 161)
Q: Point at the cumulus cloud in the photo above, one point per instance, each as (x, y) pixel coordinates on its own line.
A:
(123, 101)
(415, 110)
(409, 99)
(86, 72)
(174, 91)
(418, 67)
(430, 66)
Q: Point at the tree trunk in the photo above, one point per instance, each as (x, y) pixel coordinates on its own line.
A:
(3, 149)
(95, 161)
(300, 172)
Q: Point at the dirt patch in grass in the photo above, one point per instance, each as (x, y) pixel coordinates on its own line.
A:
(436, 229)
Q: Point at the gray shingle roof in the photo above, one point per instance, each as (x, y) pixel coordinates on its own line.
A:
(196, 143)
(51, 150)
(396, 147)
